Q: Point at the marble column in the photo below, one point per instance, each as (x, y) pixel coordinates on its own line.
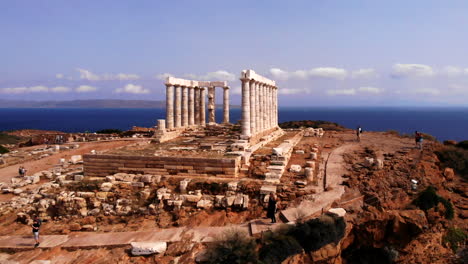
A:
(185, 120)
(178, 107)
(264, 105)
(202, 106)
(197, 106)
(270, 107)
(191, 106)
(257, 107)
(211, 105)
(276, 106)
(245, 125)
(260, 107)
(169, 106)
(253, 126)
(226, 105)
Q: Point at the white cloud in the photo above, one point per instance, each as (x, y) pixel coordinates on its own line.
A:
(431, 91)
(15, 90)
(35, 89)
(88, 75)
(413, 70)
(59, 76)
(236, 90)
(220, 75)
(133, 89)
(324, 72)
(279, 74)
(342, 92)
(369, 89)
(288, 91)
(364, 73)
(38, 89)
(163, 76)
(329, 72)
(60, 89)
(85, 89)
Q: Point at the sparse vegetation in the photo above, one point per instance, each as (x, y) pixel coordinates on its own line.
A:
(109, 131)
(3, 150)
(85, 186)
(8, 139)
(318, 232)
(463, 144)
(277, 246)
(234, 247)
(326, 125)
(213, 188)
(455, 237)
(455, 158)
(428, 199)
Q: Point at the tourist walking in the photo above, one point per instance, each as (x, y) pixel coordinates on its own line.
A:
(358, 133)
(271, 210)
(35, 229)
(22, 171)
(418, 138)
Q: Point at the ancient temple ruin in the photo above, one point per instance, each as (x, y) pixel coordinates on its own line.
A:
(188, 144)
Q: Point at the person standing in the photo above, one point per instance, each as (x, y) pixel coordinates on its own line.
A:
(418, 139)
(35, 230)
(358, 133)
(271, 209)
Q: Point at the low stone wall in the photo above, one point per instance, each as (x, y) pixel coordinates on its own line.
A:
(103, 165)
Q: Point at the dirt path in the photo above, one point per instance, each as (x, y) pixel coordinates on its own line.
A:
(34, 166)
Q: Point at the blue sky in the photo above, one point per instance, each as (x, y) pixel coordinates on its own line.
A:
(321, 53)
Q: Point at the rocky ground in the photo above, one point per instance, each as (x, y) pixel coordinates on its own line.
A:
(379, 169)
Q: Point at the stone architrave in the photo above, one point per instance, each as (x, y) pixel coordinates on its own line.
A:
(253, 128)
(197, 106)
(226, 104)
(245, 108)
(169, 106)
(202, 107)
(178, 107)
(211, 105)
(191, 105)
(185, 120)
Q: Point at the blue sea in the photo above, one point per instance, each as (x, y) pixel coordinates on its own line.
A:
(443, 123)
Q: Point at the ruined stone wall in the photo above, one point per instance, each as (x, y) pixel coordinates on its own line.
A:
(103, 165)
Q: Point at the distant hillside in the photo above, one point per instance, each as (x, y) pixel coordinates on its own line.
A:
(103, 103)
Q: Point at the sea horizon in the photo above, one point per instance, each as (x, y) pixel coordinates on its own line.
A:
(432, 120)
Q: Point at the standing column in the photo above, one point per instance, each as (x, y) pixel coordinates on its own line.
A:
(276, 106)
(202, 106)
(253, 125)
(226, 105)
(169, 106)
(264, 104)
(257, 108)
(185, 120)
(260, 107)
(245, 108)
(197, 106)
(178, 107)
(191, 106)
(270, 107)
(211, 105)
